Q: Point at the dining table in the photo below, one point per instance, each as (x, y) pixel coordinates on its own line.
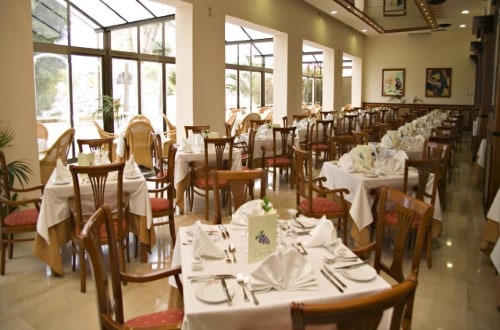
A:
(206, 304)
(183, 159)
(361, 184)
(54, 226)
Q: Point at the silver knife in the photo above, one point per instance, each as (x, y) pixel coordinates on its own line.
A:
(209, 277)
(332, 274)
(224, 286)
(331, 280)
(359, 264)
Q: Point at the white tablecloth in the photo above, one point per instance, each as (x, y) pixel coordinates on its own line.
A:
(273, 312)
(481, 154)
(360, 187)
(55, 209)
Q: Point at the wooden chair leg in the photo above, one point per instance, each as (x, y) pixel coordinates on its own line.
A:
(3, 246)
(83, 270)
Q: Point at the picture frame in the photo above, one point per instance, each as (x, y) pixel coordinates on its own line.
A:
(394, 7)
(438, 82)
(393, 82)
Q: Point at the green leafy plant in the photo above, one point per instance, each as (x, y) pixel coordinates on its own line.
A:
(266, 205)
(16, 169)
(110, 108)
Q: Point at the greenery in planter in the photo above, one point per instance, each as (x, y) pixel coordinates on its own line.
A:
(110, 109)
(16, 169)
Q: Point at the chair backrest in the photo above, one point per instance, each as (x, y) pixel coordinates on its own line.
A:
(171, 129)
(108, 293)
(433, 149)
(361, 137)
(239, 184)
(139, 142)
(425, 168)
(285, 137)
(195, 129)
(58, 150)
(250, 147)
(285, 121)
(41, 131)
(340, 145)
(326, 114)
(407, 208)
(308, 137)
(303, 175)
(299, 117)
(104, 191)
(256, 123)
(219, 145)
(157, 153)
(323, 131)
(135, 118)
(102, 133)
(96, 145)
(164, 178)
(245, 123)
(357, 313)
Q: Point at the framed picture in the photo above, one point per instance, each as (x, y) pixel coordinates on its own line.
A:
(394, 7)
(438, 82)
(393, 82)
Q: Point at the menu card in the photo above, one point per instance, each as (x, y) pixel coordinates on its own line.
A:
(261, 236)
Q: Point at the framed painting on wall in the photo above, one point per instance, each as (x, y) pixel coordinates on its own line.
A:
(393, 82)
(394, 7)
(438, 82)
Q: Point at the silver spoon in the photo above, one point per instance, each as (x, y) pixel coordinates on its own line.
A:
(227, 256)
(232, 249)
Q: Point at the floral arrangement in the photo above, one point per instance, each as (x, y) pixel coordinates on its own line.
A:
(267, 206)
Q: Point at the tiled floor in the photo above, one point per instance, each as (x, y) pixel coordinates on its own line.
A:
(457, 293)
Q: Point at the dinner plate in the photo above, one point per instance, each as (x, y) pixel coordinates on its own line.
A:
(60, 182)
(360, 274)
(307, 223)
(370, 175)
(212, 292)
(133, 176)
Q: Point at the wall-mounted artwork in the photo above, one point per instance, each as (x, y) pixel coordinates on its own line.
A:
(393, 82)
(394, 7)
(438, 82)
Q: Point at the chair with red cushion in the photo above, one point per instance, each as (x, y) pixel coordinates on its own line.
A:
(106, 187)
(162, 203)
(320, 144)
(109, 292)
(281, 155)
(314, 200)
(13, 219)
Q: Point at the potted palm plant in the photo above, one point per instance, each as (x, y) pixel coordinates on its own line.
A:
(16, 169)
(110, 110)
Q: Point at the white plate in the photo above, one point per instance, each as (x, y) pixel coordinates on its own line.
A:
(370, 175)
(133, 176)
(308, 224)
(360, 274)
(213, 292)
(60, 182)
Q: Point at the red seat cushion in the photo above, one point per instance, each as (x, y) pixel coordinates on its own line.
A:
(281, 161)
(391, 216)
(163, 318)
(321, 205)
(21, 218)
(160, 204)
(320, 146)
(202, 182)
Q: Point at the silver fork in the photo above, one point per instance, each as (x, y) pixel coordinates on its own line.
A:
(240, 278)
(331, 260)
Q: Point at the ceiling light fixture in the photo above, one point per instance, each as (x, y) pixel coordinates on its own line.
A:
(462, 26)
(333, 12)
(465, 12)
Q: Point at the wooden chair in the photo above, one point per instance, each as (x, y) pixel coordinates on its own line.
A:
(136, 118)
(58, 150)
(201, 179)
(196, 129)
(433, 150)
(314, 200)
(247, 150)
(108, 288)
(285, 121)
(281, 154)
(299, 117)
(237, 185)
(162, 204)
(321, 141)
(139, 142)
(359, 312)
(340, 145)
(41, 131)
(96, 145)
(256, 123)
(424, 169)
(308, 137)
(326, 114)
(104, 191)
(245, 123)
(395, 222)
(170, 134)
(104, 135)
(15, 218)
(361, 137)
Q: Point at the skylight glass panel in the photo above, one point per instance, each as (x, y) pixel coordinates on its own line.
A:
(235, 33)
(158, 9)
(130, 10)
(256, 34)
(49, 23)
(99, 11)
(266, 48)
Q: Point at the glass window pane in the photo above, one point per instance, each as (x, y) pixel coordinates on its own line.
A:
(124, 40)
(234, 33)
(170, 38)
(99, 11)
(52, 93)
(318, 90)
(130, 10)
(245, 84)
(232, 54)
(83, 31)
(159, 9)
(256, 91)
(151, 39)
(152, 93)
(171, 99)
(244, 55)
(269, 89)
(125, 85)
(269, 62)
(49, 22)
(231, 89)
(87, 89)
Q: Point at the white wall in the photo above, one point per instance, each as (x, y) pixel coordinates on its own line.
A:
(415, 53)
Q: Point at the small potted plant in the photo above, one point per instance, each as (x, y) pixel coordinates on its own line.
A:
(110, 110)
(16, 169)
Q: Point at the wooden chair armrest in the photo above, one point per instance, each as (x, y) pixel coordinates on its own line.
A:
(22, 202)
(40, 187)
(364, 252)
(153, 276)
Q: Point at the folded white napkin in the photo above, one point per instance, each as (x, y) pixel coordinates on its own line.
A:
(184, 145)
(130, 168)
(284, 271)
(203, 245)
(62, 173)
(390, 166)
(306, 221)
(252, 207)
(101, 157)
(346, 162)
(386, 141)
(195, 140)
(324, 234)
(361, 156)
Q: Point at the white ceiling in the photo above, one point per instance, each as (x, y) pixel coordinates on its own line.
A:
(447, 12)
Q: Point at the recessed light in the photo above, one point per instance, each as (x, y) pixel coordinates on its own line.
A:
(462, 26)
(364, 30)
(333, 12)
(465, 11)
